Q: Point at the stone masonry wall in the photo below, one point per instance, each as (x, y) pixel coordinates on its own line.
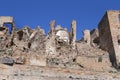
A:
(106, 38)
(114, 24)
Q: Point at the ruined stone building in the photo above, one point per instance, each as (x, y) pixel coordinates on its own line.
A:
(58, 50)
(109, 34)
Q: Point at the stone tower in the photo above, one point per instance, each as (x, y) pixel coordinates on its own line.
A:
(109, 32)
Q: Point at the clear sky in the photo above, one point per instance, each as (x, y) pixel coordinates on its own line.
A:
(87, 13)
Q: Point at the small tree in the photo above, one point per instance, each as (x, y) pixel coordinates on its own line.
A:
(100, 59)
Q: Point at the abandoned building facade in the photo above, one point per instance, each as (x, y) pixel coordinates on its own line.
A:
(109, 34)
(33, 47)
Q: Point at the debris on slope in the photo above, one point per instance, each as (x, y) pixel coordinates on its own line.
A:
(33, 48)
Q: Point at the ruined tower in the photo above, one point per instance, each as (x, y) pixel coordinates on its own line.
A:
(109, 35)
(52, 25)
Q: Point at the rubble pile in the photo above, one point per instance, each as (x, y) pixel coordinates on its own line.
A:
(33, 47)
(28, 48)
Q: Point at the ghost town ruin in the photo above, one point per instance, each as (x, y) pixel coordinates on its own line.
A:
(30, 54)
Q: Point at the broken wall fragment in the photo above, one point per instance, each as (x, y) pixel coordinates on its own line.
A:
(86, 36)
(73, 34)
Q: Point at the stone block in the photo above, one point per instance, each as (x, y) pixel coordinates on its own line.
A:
(7, 60)
(38, 60)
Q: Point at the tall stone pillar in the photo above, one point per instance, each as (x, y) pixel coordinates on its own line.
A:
(73, 34)
(86, 36)
(50, 43)
(52, 25)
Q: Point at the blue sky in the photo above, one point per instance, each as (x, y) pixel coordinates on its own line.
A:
(87, 13)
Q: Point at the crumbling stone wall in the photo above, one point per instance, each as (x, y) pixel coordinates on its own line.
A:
(94, 34)
(92, 58)
(73, 34)
(109, 31)
(86, 36)
(50, 42)
(5, 37)
(59, 50)
(33, 47)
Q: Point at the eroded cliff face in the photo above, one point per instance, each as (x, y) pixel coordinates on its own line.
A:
(30, 54)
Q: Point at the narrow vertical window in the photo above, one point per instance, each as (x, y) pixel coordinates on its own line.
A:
(119, 42)
(118, 39)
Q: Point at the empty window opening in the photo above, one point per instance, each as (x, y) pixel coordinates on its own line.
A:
(96, 41)
(29, 45)
(9, 26)
(118, 37)
(118, 42)
(20, 35)
(2, 29)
